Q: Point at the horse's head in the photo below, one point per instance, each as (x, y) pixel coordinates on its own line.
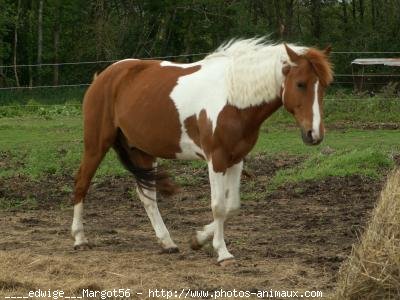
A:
(307, 76)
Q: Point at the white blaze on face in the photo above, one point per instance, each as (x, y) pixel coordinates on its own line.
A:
(316, 113)
(283, 92)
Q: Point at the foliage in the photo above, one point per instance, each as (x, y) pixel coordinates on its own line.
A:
(42, 96)
(78, 30)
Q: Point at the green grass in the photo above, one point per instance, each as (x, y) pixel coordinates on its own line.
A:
(36, 140)
(352, 109)
(369, 162)
(18, 204)
(34, 147)
(46, 146)
(288, 141)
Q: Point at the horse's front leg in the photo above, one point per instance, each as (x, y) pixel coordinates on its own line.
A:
(232, 182)
(224, 200)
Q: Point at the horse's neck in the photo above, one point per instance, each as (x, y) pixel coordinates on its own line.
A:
(253, 82)
(254, 116)
(240, 128)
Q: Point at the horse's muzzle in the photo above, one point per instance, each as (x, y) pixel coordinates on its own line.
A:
(310, 139)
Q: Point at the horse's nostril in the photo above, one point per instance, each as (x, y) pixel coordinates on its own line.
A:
(309, 135)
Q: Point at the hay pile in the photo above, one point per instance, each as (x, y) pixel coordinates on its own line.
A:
(373, 269)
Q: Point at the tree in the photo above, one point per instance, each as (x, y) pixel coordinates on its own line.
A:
(16, 26)
(56, 41)
(76, 30)
(40, 40)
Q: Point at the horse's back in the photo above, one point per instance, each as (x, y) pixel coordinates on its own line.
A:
(150, 101)
(136, 92)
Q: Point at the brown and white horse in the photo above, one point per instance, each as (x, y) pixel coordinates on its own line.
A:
(210, 110)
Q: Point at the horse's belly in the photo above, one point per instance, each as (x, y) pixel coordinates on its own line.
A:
(189, 149)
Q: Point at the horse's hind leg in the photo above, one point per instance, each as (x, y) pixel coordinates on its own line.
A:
(149, 200)
(96, 146)
(86, 171)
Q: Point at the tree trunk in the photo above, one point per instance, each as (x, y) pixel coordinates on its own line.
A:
(2, 76)
(269, 15)
(344, 8)
(361, 3)
(316, 18)
(100, 32)
(289, 18)
(56, 44)
(299, 25)
(16, 43)
(30, 57)
(279, 23)
(373, 13)
(40, 40)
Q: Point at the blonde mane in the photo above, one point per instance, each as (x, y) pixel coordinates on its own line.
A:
(254, 71)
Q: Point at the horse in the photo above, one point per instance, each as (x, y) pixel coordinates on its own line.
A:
(210, 110)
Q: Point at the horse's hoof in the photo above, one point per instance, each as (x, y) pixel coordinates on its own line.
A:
(170, 250)
(227, 262)
(194, 243)
(85, 246)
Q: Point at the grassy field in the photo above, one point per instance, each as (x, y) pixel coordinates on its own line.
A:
(300, 215)
(36, 140)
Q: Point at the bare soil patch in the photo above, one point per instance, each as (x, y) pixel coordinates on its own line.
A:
(292, 239)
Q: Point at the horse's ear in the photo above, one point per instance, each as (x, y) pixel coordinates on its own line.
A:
(285, 70)
(327, 50)
(292, 55)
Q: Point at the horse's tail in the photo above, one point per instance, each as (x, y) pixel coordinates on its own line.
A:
(146, 178)
(95, 75)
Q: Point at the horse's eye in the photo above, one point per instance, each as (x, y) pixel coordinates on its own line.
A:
(301, 85)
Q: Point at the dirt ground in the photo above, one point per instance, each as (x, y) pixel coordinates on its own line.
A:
(294, 238)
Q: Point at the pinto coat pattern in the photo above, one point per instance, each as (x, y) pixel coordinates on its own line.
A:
(211, 110)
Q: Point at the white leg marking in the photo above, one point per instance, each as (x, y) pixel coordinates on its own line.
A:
(232, 200)
(206, 234)
(316, 115)
(224, 199)
(77, 225)
(150, 204)
(232, 187)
